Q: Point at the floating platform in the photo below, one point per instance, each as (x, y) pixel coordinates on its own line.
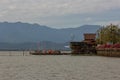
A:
(111, 52)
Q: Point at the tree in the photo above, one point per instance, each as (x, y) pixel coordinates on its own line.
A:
(108, 34)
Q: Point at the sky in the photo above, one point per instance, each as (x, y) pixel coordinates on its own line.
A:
(61, 13)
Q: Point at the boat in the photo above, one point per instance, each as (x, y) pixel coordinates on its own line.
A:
(46, 52)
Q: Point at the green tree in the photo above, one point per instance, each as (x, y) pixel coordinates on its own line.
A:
(110, 33)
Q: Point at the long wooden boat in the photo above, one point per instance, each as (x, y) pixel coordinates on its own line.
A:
(48, 52)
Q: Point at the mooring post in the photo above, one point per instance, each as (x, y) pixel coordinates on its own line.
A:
(23, 52)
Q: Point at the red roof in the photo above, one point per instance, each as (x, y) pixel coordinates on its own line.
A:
(117, 45)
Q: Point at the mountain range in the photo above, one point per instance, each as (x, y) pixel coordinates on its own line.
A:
(18, 32)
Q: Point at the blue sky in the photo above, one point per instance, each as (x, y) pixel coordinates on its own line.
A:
(61, 13)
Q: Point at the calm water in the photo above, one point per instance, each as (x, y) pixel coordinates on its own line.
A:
(57, 67)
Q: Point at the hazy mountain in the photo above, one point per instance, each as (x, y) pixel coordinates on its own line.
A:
(25, 36)
(24, 32)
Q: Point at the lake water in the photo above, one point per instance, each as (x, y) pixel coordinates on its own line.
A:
(15, 66)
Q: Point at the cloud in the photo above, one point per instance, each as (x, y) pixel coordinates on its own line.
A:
(59, 7)
(34, 10)
(88, 19)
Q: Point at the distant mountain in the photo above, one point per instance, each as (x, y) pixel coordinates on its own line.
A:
(14, 36)
(24, 32)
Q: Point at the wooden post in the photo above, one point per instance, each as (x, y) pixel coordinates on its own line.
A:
(23, 52)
